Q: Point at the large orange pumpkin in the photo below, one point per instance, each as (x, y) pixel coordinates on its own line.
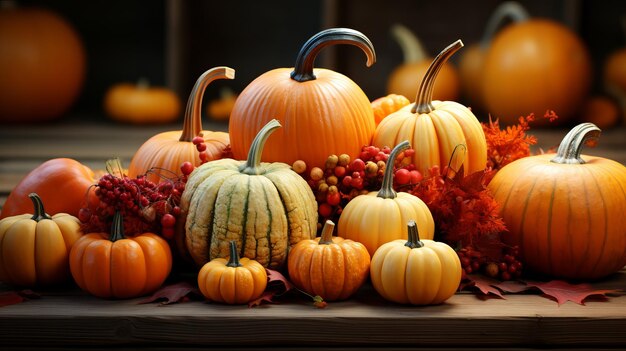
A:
(435, 128)
(162, 155)
(322, 112)
(535, 66)
(406, 76)
(42, 64)
(566, 212)
(64, 185)
(473, 58)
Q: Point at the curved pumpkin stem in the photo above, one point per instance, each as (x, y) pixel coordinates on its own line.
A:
(511, 10)
(414, 241)
(192, 124)
(117, 227)
(423, 101)
(572, 144)
(412, 48)
(386, 190)
(251, 166)
(303, 69)
(327, 233)
(39, 213)
(233, 260)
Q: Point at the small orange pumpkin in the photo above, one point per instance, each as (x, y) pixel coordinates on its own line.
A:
(322, 112)
(602, 111)
(113, 266)
(565, 211)
(386, 105)
(141, 103)
(405, 77)
(329, 266)
(35, 248)
(219, 109)
(233, 281)
(435, 128)
(163, 154)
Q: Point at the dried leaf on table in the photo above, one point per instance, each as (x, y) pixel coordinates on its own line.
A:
(14, 297)
(562, 291)
(169, 294)
(277, 285)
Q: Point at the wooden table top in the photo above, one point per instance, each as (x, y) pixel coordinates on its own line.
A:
(60, 319)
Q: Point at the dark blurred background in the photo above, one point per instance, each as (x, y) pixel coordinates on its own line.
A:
(172, 42)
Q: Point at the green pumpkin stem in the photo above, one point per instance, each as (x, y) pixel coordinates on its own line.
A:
(303, 68)
(117, 227)
(571, 146)
(386, 190)
(424, 99)
(251, 166)
(39, 213)
(511, 10)
(327, 233)
(233, 260)
(192, 123)
(414, 241)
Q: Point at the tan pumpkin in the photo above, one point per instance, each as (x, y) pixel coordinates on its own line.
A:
(323, 112)
(330, 266)
(435, 128)
(417, 272)
(381, 216)
(264, 207)
(141, 103)
(566, 212)
(35, 248)
(162, 155)
(408, 75)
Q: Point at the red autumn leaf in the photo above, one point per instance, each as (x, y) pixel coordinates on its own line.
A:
(13, 297)
(173, 293)
(485, 285)
(277, 285)
(562, 291)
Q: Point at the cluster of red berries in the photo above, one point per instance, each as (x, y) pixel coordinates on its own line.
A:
(144, 205)
(508, 267)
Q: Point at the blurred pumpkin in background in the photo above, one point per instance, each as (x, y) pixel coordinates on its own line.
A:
(601, 110)
(141, 103)
(219, 108)
(406, 77)
(42, 64)
(614, 75)
(533, 66)
(473, 57)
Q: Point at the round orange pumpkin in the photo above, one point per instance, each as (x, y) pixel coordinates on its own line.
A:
(565, 211)
(141, 103)
(64, 185)
(42, 64)
(614, 79)
(322, 112)
(405, 77)
(329, 266)
(113, 266)
(473, 58)
(162, 155)
(435, 128)
(535, 66)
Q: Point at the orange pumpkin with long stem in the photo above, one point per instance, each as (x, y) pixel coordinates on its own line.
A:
(435, 128)
(162, 155)
(322, 112)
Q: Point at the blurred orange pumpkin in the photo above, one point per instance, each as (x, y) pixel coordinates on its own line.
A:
(141, 103)
(405, 77)
(42, 64)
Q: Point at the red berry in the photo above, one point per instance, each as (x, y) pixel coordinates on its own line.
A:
(325, 210)
(333, 199)
(347, 181)
(167, 233)
(402, 176)
(357, 165)
(84, 214)
(186, 168)
(416, 177)
(197, 140)
(340, 171)
(168, 221)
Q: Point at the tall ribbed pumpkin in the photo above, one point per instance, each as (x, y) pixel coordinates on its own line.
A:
(566, 212)
(163, 154)
(435, 128)
(264, 207)
(322, 112)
